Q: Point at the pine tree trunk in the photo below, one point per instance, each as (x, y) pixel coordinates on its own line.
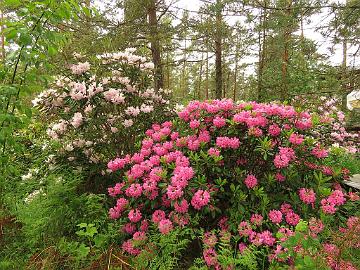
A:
(184, 79)
(207, 76)
(262, 48)
(200, 76)
(285, 56)
(235, 77)
(344, 77)
(218, 51)
(155, 46)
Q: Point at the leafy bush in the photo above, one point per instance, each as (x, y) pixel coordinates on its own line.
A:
(249, 170)
(332, 130)
(97, 111)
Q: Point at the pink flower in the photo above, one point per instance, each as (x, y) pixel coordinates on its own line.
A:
(226, 142)
(219, 122)
(214, 152)
(223, 223)
(308, 196)
(267, 238)
(165, 226)
(144, 226)
(315, 226)
(256, 219)
(285, 234)
(80, 68)
(116, 190)
(204, 136)
(158, 215)
(194, 124)
(319, 153)
(331, 249)
(200, 199)
(139, 236)
(135, 190)
(296, 139)
(353, 196)
(328, 206)
(337, 197)
(113, 213)
(275, 216)
(353, 222)
(285, 208)
(279, 177)
(77, 120)
(128, 123)
(129, 228)
(182, 175)
(281, 161)
(250, 181)
(244, 228)
(181, 207)
(128, 247)
(274, 130)
(255, 131)
(210, 257)
(292, 218)
(210, 239)
(242, 247)
(134, 215)
(174, 193)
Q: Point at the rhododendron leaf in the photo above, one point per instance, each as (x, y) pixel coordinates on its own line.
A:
(301, 226)
(325, 191)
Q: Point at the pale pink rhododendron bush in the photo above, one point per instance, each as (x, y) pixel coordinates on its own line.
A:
(332, 130)
(98, 110)
(250, 175)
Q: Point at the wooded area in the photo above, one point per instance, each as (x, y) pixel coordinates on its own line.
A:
(179, 134)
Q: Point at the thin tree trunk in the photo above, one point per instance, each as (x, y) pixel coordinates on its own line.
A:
(262, 48)
(168, 71)
(184, 79)
(207, 76)
(200, 75)
(236, 70)
(227, 83)
(155, 46)
(285, 56)
(344, 77)
(218, 51)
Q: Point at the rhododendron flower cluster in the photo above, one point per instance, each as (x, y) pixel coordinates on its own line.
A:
(102, 104)
(207, 169)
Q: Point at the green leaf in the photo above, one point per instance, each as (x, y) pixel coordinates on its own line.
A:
(308, 261)
(83, 251)
(25, 39)
(11, 33)
(12, 2)
(52, 50)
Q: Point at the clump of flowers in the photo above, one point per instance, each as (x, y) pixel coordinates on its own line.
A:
(207, 169)
(332, 132)
(100, 105)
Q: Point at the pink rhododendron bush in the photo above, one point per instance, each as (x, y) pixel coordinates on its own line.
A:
(332, 130)
(241, 178)
(97, 111)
